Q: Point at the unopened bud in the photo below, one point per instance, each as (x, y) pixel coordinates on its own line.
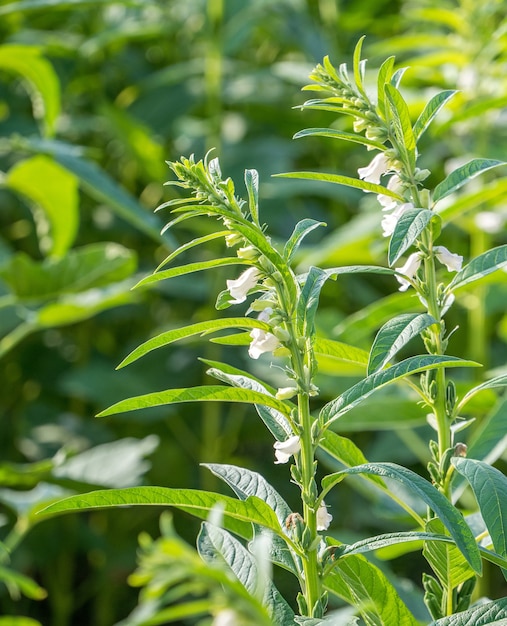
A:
(460, 449)
(286, 393)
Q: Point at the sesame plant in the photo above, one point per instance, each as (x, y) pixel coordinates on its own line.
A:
(243, 537)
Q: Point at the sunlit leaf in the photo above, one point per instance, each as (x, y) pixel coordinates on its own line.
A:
(333, 133)
(407, 230)
(462, 175)
(431, 109)
(190, 268)
(302, 228)
(484, 614)
(482, 265)
(343, 180)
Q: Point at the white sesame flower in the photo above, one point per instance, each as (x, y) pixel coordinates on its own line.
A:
(388, 202)
(286, 393)
(240, 287)
(262, 341)
(226, 617)
(453, 262)
(372, 172)
(323, 517)
(285, 449)
(390, 220)
(409, 270)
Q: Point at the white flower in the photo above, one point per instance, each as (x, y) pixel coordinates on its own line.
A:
(372, 172)
(323, 517)
(390, 220)
(388, 202)
(409, 270)
(452, 262)
(240, 287)
(262, 341)
(489, 221)
(286, 393)
(285, 449)
(226, 617)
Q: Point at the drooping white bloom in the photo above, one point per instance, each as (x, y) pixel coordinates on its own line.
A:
(452, 262)
(262, 341)
(390, 220)
(409, 270)
(388, 202)
(372, 172)
(323, 517)
(226, 617)
(240, 287)
(285, 449)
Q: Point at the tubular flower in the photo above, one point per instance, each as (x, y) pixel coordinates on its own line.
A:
(372, 172)
(452, 262)
(262, 341)
(387, 202)
(323, 517)
(285, 449)
(390, 220)
(240, 287)
(409, 270)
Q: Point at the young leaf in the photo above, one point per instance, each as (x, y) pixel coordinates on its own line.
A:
(333, 133)
(342, 180)
(483, 614)
(252, 186)
(385, 74)
(447, 513)
(309, 300)
(366, 587)
(361, 390)
(217, 545)
(191, 244)
(408, 228)
(394, 335)
(201, 328)
(358, 71)
(181, 270)
(482, 265)
(401, 120)
(300, 231)
(389, 539)
(492, 383)
(462, 175)
(431, 109)
(239, 515)
(206, 393)
(490, 488)
(446, 560)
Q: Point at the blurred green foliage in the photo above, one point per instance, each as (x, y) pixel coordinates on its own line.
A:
(94, 96)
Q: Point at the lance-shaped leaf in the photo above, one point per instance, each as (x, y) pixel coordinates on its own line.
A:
(206, 393)
(238, 515)
(389, 539)
(482, 265)
(490, 488)
(252, 187)
(447, 513)
(401, 121)
(181, 270)
(492, 383)
(300, 231)
(358, 269)
(408, 228)
(340, 351)
(431, 109)
(487, 614)
(201, 328)
(384, 76)
(343, 180)
(358, 66)
(333, 133)
(309, 299)
(358, 392)
(191, 244)
(394, 335)
(366, 587)
(462, 175)
(216, 545)
(246, 483)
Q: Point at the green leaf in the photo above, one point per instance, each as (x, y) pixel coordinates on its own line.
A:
(333, 133)
(181, 270)
(201, 328)
(21, 583)
(446, 560)
(484, 614)
(462, 175)
(252, 186)
(358, 70)
(482, 265)
(216, 545)
(206, 393)
(54, 191)
(489, 439)
(20, 6)
(408, 228)
(389, 539)
(492, 383)
(28, 62)
(385, 74)
(447, 513)
(340, 351)
(431, 109)
(364, 586)
(358, 392)
(401, 121)
(358, 269)
(309, 300)
(239, 514)
(342, 180)
(11, 620)
(300, 231)
(490, 488)
(191, 244)
(394, 335)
